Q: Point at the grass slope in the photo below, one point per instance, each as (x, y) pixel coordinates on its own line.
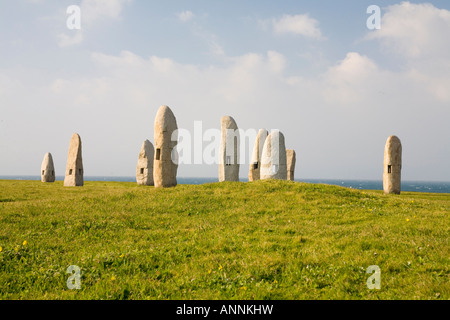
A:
(259, 240)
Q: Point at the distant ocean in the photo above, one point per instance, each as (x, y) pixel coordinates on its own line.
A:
(417, 186)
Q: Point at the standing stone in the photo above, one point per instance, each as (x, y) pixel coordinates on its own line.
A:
(144, 169)
(74, 168)
(48, 169)
(290, 160)
(255, 164)
(273, 160)
(229, 150)
(166, 157)
(392, 165)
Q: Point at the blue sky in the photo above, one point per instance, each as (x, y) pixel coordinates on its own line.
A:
(311, 69)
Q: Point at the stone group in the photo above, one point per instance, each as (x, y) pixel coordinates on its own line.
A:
(157, 165)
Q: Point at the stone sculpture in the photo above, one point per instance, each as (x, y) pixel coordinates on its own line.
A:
(165, 163)
(48, 169)
(290, 160)
(255, 164)
(392, 166)
(144, 168)
(273, 160)
(74, 169)
(229, 150)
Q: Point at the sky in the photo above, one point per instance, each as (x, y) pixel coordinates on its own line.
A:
(311, 69)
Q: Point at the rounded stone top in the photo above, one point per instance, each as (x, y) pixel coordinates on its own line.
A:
(276, 133)
(274, 142)
(165, 119)
(393, 143)
(75, 138)
(228, 122)
(393, 151)
(48, 160)
(146, 150)
(393, 140)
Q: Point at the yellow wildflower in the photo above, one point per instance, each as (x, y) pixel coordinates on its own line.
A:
(122, 255)
(407, 220)
(113, 278)
(25, 243)
(1, 249)
(220, 267)
(209, 271)
(16, 249)
(244, 288)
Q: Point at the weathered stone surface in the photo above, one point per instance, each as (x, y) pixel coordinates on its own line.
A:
(290, 160)
(144, 168)
(229, 150)
(48, 169)
(255, 164)
(273, 160)
(165, 163)
(74, 169)
(392, 165)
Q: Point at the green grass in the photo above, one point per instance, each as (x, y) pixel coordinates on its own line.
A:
(258, 240)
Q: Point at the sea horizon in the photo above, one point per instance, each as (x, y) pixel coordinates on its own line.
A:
(360, 184)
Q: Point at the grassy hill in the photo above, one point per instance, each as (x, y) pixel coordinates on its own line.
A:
(258, 240)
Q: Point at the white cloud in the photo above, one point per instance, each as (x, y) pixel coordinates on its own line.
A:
(65, 41)
(347, 82)
(92, 11)
(300, 24)
(415, 30)
(95, 10)
(418, 34)
(185, 16)
(277, 62)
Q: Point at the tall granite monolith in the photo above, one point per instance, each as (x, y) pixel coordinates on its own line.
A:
(74, 169)
(229, 150)
(392, 166)
(165, 163)
(290, 160)
(144, 168)
(48, 169)
(273, 160)
(255, 163)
